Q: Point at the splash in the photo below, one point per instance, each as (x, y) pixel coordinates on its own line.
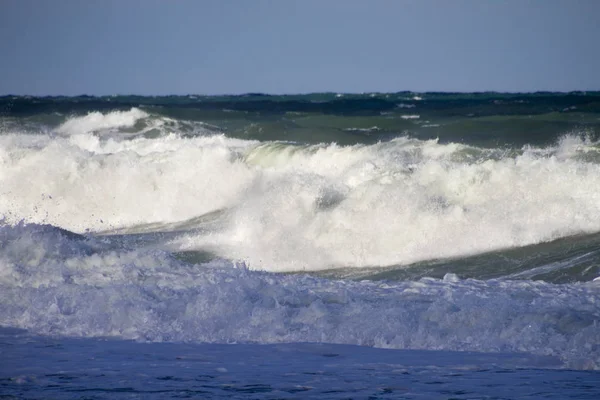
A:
(292, 207)
(96, 121)
(77, 286)
(404, 201)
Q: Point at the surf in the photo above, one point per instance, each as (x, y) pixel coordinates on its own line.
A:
(301, 207)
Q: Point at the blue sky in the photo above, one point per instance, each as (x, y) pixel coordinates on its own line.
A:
(282, 46)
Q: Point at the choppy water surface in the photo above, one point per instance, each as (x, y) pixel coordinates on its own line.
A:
(387, 245)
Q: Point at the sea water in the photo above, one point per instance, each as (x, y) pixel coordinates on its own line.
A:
(314, 246)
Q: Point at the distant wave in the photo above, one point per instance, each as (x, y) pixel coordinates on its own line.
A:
(97, 121)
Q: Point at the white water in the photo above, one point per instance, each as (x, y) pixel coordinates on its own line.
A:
(96, 121)
(55, 283)
(298, 207)
(287, 207)
(86, 182)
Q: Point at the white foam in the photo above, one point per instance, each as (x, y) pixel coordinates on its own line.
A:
(307, 207)
(83, 182)
(52, 282)
(404, 201)
(97, 121)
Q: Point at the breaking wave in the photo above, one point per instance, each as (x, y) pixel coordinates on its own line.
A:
(302, 207)
(73, 285)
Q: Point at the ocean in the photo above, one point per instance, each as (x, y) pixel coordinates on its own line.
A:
(330, 245)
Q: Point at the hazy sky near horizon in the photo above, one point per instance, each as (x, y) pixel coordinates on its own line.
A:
(76, 47)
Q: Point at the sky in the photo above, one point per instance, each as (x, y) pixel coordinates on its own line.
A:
(100, 47)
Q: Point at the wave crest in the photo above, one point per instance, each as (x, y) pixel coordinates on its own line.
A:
(96, 121)
(294, 207)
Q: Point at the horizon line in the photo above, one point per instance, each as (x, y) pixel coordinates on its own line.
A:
(273, 94)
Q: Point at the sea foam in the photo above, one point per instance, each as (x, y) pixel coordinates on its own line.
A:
(78, 286)
(404, 201)
(293, 207)
(97, 121)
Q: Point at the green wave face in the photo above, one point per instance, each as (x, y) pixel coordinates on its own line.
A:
(483, 119)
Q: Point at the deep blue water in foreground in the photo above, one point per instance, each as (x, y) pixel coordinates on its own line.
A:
(107, 369)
